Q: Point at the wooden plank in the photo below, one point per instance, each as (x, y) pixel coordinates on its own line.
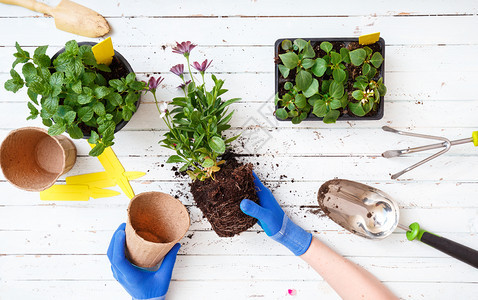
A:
(244, 8)
(192, 267)
(53, 217)
(52, 242)
(223, 289)
(238, 31)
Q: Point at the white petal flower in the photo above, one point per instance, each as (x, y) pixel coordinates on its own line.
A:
(163, 107)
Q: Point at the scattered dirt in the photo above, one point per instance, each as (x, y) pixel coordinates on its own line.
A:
(219, 199)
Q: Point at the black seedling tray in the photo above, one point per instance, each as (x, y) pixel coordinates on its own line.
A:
(346, 41)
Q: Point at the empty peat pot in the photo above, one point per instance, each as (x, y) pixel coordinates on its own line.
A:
(32, 160)
(156, 222)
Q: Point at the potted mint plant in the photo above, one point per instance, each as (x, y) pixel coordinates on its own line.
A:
(71, 92)
(196, 124)
(329, 80)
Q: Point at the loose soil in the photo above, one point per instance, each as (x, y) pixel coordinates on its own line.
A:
(351, 69)
(219, 199)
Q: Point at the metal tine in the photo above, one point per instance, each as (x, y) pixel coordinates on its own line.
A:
(392, 153)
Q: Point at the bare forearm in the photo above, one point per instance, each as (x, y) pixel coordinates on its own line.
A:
(349, 280)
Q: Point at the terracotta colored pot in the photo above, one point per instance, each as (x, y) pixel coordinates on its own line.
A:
(156, 222)
(32, 160)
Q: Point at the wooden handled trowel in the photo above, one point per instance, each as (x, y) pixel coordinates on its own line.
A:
(69, 16)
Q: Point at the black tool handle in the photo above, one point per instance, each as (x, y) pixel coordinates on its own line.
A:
(458, 251)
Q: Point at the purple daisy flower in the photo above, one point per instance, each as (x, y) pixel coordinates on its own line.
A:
(184, 48)
(178, 70)
(201, 67)
(153, 83)
(184, 85)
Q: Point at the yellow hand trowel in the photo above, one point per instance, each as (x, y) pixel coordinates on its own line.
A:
(75, 192)
(115, 170)
(69, 16)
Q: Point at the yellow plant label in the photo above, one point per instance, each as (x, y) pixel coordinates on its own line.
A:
(368, 39)
(104, 51)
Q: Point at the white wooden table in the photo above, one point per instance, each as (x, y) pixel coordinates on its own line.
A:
(56, 250)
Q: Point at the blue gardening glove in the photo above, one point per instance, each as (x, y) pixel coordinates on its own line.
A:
(139, 283)
(275, 222)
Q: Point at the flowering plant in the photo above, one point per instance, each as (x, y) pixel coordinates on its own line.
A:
(197, 121)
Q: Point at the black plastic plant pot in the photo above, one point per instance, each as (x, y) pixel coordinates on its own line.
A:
(345, 42)
(128, 67)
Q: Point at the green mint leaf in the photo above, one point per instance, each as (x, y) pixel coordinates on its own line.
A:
(12, 85)
(56, 129)
(85, 113)
(115, 99)
(33, 111)
(84, 99)
(71, 47)
(127, 113)
(42, 60)
(130, 78)
(57, 79)
(94, 137)
(99, 109)
(76, 87)
(137, 85)
(101, 92)
(74, 131)
(51, 104)
(70, 117)
(97, 150)
(289, 59)
(131, 98)
(87, 78)
(103, 68)
(32, 96)
(303, 80)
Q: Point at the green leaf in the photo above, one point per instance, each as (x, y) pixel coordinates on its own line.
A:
(357, 56)
(99, 109)
(103, 68)
(84, 99)
(32, 96)
(289, 59)
(74, 131)
(335, 104)
(308, 51)
(362, 85)
(40, 50)
(207, 163)
(70, 117)
(286, 45)
(345, 53)
(376, 59)
(51, 104)
(319, 67)
(281, 113)
(313, 89)
(331, 116)
(296, 120)
(300, 43)
(366, 68)
(284, 70)
(320, 108)
(71, 47)
(300, 101)
(42, 60)
(382, 89)
(288, 85)
(339, 75)
(76, 87)
(29, 71)
(335, 58)
(137, 85)
(130, 78)
(308, 63)
(175, 159)
(303, 80)
(85, 114)
(357, 94)
(97, 150)
(356, 109)
(56, 129)
(33, 111)
(217, 145)
(326, 46)
(12, 85)
(336, 90)
(115, 99)
(94, 137)
(56, 79)
(131, 98)
(101, 92)
(88, 77)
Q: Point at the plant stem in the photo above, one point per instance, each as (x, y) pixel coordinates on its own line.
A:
(189, 68)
